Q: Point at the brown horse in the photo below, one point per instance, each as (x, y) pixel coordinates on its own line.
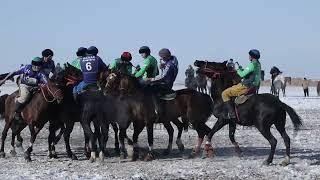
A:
(193, 107)
(36, 114)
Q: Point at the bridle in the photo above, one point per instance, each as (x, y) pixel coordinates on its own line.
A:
(215, 74)
(53, 94)
(71, 80)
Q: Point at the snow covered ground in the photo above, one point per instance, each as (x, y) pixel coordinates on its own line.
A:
(305, 151)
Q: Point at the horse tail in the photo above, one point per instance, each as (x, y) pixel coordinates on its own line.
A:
(295, 118)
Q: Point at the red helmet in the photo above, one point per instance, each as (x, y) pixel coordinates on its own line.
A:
(126, 56)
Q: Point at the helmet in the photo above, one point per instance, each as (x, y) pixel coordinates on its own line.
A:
(164, 53)
(81, 51)
(36, 61)
(254, 54)
(126, 56)
(144, 49)
(92, 50)
(47, 53)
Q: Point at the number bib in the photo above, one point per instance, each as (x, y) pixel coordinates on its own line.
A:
(89, 64)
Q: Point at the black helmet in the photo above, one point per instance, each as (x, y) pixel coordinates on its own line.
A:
(164, 52)
(254, 53)
(144, 49)
(47, 53)
(81, 51)
(92, 50)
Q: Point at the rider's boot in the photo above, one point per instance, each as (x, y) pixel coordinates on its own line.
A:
(18, 110)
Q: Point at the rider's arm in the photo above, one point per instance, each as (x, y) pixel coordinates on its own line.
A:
(43, 78)
(102, 65)
(145, 66)
(113, 65)
(243, 72)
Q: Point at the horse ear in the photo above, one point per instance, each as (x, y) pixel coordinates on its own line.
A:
(225, 62)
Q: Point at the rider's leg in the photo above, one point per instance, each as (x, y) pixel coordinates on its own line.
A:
(21, 100)
(233, 91)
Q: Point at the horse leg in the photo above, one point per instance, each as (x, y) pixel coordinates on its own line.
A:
(3, 138)
(180, 129)
(122, 135)
(19, 142)
(281, 129)
(150, 155)
(34, 134)
(103, 141)
(232, 130)
(217, 126)
(89, 137)
(265, 131)
(86, 145)
(202, 130)
(66, 136)
(51, 137)
(138, 127)
(170, 130)
(116, 137)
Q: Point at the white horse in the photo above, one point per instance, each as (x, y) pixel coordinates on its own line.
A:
(279, 83)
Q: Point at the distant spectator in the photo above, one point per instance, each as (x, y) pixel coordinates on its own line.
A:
(305, 86)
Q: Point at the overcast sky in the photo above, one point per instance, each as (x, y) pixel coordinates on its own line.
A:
(286, 32)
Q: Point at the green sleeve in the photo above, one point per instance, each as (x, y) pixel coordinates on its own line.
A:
(113, 65)
(143, 69)
(243, 72)
(76, 63)
(130, 69)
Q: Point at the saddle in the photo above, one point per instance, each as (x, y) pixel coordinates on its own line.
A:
(243, 98)
(90, 88)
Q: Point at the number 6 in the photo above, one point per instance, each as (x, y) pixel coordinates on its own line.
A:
(88, 66)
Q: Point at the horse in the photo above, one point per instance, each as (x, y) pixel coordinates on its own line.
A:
(191, 82)
(2, 104)
(193, 107)
(201, 83)
(279, 83)
(260, 110)
(36, 114)
(69, 111)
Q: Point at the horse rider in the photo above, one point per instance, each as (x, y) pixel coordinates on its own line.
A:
(81, 52)
(164, 84)
(122, 64)
(47, 62)
(150, 65)
(251, 79)
(91, 65)
(32, 76)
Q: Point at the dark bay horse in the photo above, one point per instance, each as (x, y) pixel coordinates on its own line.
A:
(260, 110)
(69, 111)
(36, 114)
(193, 107)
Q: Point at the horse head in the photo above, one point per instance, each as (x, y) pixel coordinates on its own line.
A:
(121, 83)
(51, 92)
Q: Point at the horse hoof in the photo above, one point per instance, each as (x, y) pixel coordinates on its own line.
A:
(117, 151)
(2, 155)
(266, 163)
(194, 154)
(13, 153)
(285, 162)
(91, 160)
(149, 157)
(27, 157)
(209, 151)
(166, 152)
(122, 155)
(18, 144)
(181, 147)
(74, 157)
